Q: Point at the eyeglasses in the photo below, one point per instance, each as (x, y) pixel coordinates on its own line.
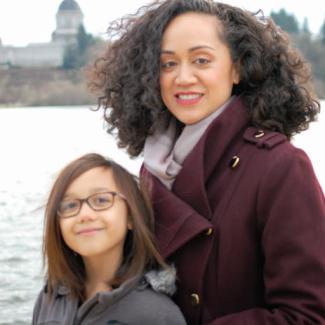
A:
(98, 202)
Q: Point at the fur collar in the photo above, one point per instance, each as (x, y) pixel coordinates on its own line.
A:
(162, 280)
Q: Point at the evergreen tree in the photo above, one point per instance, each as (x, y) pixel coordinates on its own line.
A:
(71, 57)
(305, 26)
(286, 21)
(75, 55)
(322, 33)
(84, 40)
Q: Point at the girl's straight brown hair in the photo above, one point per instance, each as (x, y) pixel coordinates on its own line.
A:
(63, 266)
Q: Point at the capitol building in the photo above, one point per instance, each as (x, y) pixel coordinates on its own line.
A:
(68, 20)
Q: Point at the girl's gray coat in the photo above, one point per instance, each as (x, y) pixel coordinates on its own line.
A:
(138, 301)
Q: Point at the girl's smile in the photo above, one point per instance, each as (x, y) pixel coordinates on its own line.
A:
(89, 231)
(96, 234)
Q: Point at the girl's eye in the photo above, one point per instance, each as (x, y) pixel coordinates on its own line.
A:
(201, 61)
(68, 205)
(102, 199)
(168, 64)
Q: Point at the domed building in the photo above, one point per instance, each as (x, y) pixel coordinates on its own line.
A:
(69, 17)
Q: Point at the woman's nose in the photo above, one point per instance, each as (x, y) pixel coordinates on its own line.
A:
(185, 75)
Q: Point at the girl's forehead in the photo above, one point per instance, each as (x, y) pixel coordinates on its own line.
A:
(93, 179)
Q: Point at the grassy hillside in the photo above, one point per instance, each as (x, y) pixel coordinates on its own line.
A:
(56, 87)
(43, 87)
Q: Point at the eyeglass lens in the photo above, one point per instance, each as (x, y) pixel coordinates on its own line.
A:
(97, 201)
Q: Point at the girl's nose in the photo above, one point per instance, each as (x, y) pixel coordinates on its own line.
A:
(86, 213)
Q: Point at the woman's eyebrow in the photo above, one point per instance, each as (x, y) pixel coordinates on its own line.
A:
(194, 48)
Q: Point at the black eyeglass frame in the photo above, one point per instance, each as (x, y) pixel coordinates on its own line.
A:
(86, 200)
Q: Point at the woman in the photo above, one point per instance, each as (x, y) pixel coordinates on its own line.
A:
(212, 94)
(98, 248)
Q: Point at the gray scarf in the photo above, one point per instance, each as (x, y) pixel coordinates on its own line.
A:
(164, 153)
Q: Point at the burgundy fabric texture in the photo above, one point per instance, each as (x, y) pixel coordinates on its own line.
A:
(264, 262)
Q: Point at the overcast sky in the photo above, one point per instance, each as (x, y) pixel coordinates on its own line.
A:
(32, 21)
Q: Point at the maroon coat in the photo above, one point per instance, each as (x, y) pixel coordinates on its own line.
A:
(247, 236)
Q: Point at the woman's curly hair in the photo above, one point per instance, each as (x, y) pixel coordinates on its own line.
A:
(274, 78)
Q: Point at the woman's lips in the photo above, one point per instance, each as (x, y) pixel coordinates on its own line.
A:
(188, 98)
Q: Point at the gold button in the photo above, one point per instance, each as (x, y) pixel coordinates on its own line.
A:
(209, 232)
(259, 134)
(195, 298)
(234, 161)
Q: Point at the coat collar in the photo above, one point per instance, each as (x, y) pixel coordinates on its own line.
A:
(184, 212)
(190, 184)
(173, 217)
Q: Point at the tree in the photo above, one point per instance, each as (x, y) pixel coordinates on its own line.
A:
(286, 21)
(84, 40)
(71, 57)
(75, 55)
(305, 26)
(322, 33)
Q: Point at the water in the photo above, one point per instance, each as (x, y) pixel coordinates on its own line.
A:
(35, 144)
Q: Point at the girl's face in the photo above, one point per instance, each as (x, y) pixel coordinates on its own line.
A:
(95, 233)
(197, 73)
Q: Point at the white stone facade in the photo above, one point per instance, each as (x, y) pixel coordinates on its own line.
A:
(68, 19)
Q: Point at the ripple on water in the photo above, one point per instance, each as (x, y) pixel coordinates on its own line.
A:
(20, 258)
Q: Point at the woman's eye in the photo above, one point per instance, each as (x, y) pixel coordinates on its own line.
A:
(168, 64)
(201, 61)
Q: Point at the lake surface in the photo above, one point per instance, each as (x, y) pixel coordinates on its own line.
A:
(35, 144)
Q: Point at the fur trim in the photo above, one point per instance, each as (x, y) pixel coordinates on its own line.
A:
(162, 280)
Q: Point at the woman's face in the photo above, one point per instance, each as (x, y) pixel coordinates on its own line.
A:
(95, 234)
(197, 73)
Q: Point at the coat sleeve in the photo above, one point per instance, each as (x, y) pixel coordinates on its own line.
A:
(291, 212)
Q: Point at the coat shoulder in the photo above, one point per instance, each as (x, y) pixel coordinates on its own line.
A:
(150, 306)
(273, 151)
(264, 139)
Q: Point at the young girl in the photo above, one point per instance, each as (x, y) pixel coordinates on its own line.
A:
(98, 249)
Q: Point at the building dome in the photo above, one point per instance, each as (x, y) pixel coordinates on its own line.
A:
(68, 20)
(69, 5)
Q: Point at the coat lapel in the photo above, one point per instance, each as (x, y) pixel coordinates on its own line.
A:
(190, 183)
(185, 212)
(176, 221)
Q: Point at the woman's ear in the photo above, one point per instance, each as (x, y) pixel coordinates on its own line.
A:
(130, 226)
(236, 80)
(236, 75)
